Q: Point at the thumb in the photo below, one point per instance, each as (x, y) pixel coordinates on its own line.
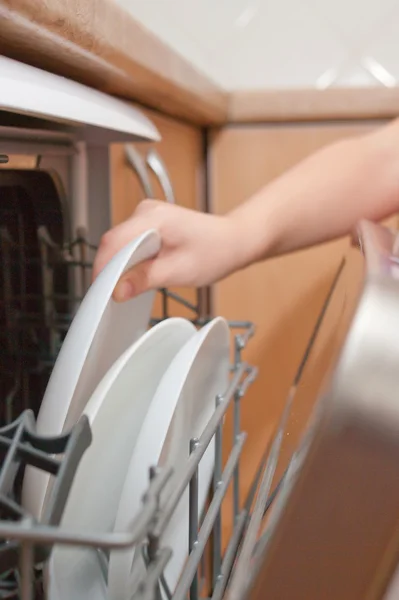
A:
(141, 278)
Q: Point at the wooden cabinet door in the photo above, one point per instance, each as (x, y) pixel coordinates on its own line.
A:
(182, 151)
(282, 296)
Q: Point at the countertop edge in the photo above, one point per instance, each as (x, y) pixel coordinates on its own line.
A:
(313, 105)
(74, 38)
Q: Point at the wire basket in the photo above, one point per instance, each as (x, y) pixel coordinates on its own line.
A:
(26, 542)
(43, 285)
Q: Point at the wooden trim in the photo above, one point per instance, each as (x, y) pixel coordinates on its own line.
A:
(99, 44)
(313, 105)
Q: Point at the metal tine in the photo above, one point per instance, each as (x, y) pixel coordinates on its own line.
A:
(248, 327)
(26, 569)
(149, 588)
(240, 342)
(238, 532)
(64, 252)
(236, 476)
(188, 577)
(6, 236)
(103, 562)
(7, 243)
(47, 243)
(217, 481)
(153, 566)
(241, 573)
(10, 398)
(22, 258)
(193, 519)
(243, 338)
(76, 278)
(171, 295)
(83, 257)
(45, 237)
(209, 520)
(251, 374)
(9, 430)
(10, 465)
(198, 453)
(230, 556)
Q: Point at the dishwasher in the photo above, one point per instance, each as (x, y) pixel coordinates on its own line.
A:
(327, 528)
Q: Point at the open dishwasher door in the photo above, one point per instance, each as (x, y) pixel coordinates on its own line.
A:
(333, 530)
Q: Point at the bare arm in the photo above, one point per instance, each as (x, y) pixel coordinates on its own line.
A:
(321, 198)
(324, 196)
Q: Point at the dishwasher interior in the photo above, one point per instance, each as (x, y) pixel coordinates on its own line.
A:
(297, 539)
(55, 191)
(39, 258)
(54, 207)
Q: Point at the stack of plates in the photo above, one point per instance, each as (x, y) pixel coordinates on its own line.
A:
(146, 393)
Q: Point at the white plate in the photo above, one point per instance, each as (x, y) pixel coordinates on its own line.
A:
(90, 580)
(100, 332)
(116, 412)
(182, 406)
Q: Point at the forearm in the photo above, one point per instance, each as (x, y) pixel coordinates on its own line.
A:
(323, 197)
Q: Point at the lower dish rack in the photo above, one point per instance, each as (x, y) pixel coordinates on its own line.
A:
(26, 543)
(241, 569)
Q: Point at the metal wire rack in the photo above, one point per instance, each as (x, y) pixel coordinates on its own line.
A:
(35, 321)
(26, 542)
(35, 312)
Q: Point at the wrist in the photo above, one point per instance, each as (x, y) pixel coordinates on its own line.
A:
(251, 232)
(226, 246)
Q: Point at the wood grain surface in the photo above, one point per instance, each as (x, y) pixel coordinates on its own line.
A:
(265, 106)
(99, 44)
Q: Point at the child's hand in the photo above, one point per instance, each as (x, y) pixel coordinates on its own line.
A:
(197, 248)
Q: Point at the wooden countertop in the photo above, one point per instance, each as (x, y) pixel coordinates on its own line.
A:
(313, 105)
(97, 43)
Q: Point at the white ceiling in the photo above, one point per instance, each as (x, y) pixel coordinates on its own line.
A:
(247, 44)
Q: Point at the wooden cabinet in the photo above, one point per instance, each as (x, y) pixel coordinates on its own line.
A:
(182, 151)
(283, 296)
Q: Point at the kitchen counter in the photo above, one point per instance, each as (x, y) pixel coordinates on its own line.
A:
(313, 105)
(97, 43)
